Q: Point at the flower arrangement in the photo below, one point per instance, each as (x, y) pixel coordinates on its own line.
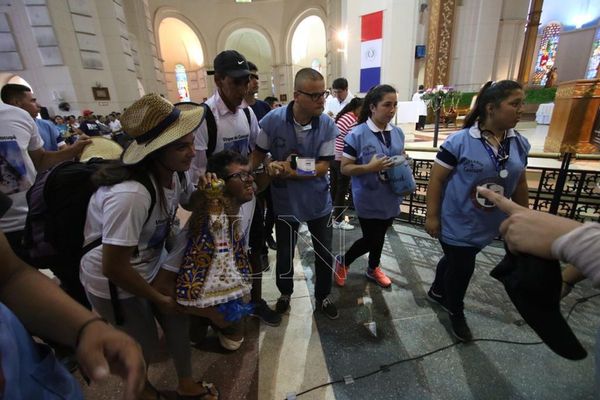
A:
(441, 96)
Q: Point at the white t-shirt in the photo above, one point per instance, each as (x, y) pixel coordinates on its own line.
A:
(118, 214)
(422, 105)
(18, 136)
(233, 132)
(174, 259)
(333, 105)
(115, 126)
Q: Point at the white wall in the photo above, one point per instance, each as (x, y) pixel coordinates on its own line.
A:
(399, 39)
(573, 52)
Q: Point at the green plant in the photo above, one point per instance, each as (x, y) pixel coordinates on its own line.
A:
(441, 95)
(539, 95)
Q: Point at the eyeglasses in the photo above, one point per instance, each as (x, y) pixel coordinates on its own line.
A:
(243, 175)
(313, 96)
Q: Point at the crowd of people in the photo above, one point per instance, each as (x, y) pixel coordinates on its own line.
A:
(243, 167)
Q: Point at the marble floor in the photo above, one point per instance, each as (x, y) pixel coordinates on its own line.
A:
(378, 328)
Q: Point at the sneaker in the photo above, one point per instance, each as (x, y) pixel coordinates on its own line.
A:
(341, 272)
(376, 275)
(436, 299)
(328, 308)
(283, 304)
(342, 225)
(228, 343)
(460, 329)
(265, 314)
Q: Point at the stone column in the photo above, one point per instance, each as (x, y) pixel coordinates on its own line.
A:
(533, 23)
(439, 42)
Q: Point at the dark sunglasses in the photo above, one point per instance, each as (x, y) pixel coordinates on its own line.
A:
(243, 175)
(313, 96)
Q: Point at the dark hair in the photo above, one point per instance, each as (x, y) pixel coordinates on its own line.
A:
(219, 162)
(340, 84)
(252, 66)
(13, 91)
(374, 96)
(354, 104)
(116, 172)
(490, 92)
(270, 100)
(421, 87)
(306, 74)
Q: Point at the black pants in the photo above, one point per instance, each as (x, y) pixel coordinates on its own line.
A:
(421, 124)
(66, 270)
(265, 196)
(340, 184)
(287, 236)
(453, 274)
(371, 242)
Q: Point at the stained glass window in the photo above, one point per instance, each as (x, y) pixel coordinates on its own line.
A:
(182, 83)
(592, 68)
(547, 53)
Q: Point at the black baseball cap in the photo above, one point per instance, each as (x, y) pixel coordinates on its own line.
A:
(230, 63)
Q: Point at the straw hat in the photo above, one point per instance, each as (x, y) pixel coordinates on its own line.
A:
(153, 122)
(101, 147)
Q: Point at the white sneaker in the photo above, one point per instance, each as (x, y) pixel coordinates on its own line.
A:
(343, 225)
(229, 344)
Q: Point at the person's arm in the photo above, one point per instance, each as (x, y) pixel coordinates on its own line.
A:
(43, 160)
(350, 168)
(47, 311)
(521, 193)
(117, 268)
(439, 175)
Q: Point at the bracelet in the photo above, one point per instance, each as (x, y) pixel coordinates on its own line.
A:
(85, 325)
(571, 285)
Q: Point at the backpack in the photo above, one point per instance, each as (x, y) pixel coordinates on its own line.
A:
(58, 202)
(211, 127)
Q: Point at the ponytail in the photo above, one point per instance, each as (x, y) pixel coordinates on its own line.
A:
(490, 92)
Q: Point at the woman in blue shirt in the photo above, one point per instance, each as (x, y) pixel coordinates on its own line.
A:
(367, 155)
(486, 152)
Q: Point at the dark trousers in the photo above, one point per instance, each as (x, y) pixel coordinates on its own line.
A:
(66, 270)
(421, 124)
(265, 197)
(340, 184)
(371, 242)
(286, 236)
(452, 275)
(256, 241)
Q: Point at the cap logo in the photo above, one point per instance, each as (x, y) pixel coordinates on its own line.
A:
(240, 62)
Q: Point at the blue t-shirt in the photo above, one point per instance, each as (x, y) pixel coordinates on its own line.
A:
(298, 200)
(260, 108)
(49, 133)
(372, 195)
(466, 218)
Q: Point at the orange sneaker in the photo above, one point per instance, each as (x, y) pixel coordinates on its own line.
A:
(341, 272)
(378, 277)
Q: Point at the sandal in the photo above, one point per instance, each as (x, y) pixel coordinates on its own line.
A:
(210, 393)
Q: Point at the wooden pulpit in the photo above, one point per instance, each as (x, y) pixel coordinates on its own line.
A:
(575, 118)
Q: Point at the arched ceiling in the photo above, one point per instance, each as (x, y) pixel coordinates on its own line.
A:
(309, 42)
(253, 45)
(179, 45)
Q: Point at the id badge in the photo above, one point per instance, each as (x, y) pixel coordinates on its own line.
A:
(305, 166)
(481, 201)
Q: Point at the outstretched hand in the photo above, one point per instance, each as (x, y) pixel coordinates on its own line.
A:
(528, 231)
(103, 349)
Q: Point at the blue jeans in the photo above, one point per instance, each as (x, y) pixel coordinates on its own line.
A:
(286, 236)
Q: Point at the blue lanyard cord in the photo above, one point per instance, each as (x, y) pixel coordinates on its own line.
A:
(499, 158)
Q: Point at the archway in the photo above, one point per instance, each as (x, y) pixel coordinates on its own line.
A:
(308, 47)
(180, 46)
(256, 48)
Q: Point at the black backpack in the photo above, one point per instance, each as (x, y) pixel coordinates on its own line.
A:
(58, 202)
(211, 127)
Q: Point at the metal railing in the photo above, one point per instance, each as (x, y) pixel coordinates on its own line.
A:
(571, 193)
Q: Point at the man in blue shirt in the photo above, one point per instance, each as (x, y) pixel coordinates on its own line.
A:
(50, 135)
(300, 139)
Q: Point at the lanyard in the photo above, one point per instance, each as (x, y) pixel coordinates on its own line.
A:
(382, 141)
(498, 159)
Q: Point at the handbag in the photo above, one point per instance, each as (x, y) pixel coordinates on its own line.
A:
(400, 178)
